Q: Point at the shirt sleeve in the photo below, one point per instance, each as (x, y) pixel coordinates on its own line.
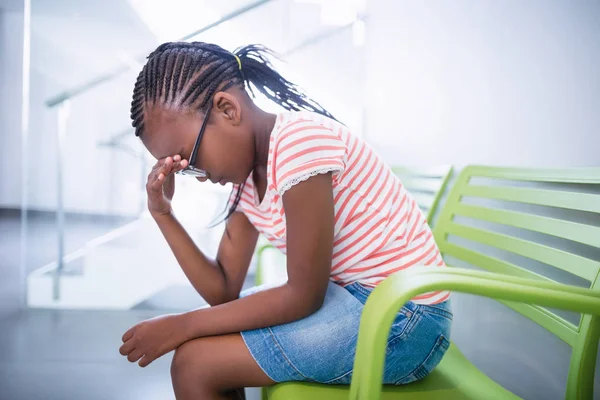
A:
(304, 149)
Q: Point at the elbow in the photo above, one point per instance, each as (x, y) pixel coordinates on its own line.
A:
(224, 290)
(214, 300)
(314, 307)
(314, 302)
(221, 298)
(306, 299)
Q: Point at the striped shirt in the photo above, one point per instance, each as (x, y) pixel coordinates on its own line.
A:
(379, 228)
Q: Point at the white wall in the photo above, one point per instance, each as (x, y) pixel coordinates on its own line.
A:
(484, 82)
(332, 72)
(11, 80)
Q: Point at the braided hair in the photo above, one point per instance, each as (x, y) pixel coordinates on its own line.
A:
(185, 75)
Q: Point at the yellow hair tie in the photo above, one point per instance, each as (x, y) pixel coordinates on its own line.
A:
(239, 61)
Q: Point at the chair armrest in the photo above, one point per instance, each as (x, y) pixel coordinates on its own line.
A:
(264, 247)
(396, 290)
(259, 279)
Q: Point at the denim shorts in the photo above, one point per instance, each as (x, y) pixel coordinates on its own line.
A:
(321, 347)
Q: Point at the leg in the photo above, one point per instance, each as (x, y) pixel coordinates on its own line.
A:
(214, 368)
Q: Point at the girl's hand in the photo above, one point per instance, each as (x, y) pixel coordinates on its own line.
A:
(153, 338)
(161, 184)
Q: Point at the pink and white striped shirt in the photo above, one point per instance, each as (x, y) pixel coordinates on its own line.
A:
(379, 228)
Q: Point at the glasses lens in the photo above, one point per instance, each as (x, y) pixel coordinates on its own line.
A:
(195, 172)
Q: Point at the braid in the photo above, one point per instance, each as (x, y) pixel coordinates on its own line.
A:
(193, 60)
(169, 81)
(188, 74)
(213, 81)
(153, 66)
(259, 71)
(177, 72)
(199, 86)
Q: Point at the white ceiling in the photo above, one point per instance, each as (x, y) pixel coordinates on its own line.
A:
(75, 41)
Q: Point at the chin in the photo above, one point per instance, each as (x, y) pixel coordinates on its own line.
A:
(239, 180)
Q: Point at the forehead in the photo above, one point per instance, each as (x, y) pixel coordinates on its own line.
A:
(168, 131)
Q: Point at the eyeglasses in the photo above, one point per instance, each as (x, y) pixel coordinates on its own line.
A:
(191, 169)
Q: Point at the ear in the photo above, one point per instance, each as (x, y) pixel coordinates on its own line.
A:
(228, 107)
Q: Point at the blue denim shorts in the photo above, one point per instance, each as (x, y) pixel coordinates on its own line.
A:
(321, 347)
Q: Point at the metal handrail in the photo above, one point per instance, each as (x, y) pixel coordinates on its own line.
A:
(121, 69)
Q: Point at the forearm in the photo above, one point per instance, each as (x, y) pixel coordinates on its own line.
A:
(271, 307)
(205, 274)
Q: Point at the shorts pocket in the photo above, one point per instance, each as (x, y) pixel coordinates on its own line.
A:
(404, 323)
(431, 361)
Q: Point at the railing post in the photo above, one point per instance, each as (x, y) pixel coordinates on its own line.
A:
(61, 132)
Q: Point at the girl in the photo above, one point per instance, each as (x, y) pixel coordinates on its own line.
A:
(315, 191)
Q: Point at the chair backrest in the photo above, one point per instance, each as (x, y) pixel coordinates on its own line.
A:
(427, 185)
(534, 223)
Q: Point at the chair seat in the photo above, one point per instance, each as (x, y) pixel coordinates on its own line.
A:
(454, 378)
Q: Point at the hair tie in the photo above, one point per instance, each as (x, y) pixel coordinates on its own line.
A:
(239, 61)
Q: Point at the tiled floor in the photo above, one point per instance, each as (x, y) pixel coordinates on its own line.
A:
(73, 355)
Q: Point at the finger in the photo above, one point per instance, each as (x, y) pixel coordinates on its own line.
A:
(156, 169)
(178, 165)
(158, 182)
(127, 335)
(127, 348)
(145, 361)
(168, 166)
(159, 163)
(152, 174)
(135, 355)
(157, 179)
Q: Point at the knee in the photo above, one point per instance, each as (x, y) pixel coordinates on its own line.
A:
(188, 361)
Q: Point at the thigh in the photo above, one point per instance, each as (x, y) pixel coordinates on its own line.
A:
(318, 348)
(222, 360)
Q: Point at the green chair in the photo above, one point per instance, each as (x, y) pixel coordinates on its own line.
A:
(427, 186)
(524, 291)
(262, 275)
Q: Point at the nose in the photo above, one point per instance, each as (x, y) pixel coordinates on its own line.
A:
(202, 179)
